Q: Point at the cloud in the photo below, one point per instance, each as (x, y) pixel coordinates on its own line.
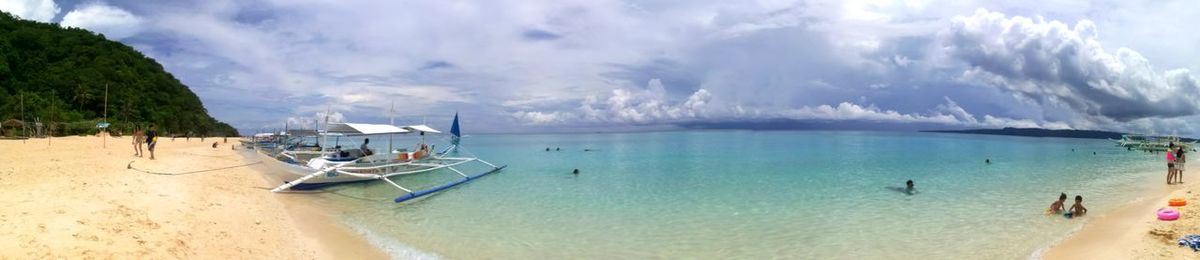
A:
(1055, 64)
(113, 22)
(319, 118)
(37, 10)
(611, 63)
(650, 105)
(540, 118)
(641, 106)
(851, 111)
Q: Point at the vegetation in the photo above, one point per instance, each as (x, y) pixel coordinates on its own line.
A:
(59, 75)
(1038, 132)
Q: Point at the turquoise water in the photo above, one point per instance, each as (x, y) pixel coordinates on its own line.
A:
(752, 195)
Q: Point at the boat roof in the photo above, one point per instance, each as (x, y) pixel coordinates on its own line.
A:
(422, 128)
(363, 129)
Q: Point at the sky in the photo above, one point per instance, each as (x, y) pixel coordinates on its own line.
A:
(531, 66)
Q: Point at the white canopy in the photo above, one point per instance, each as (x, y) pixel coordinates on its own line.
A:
(422, 128)
(363, 129)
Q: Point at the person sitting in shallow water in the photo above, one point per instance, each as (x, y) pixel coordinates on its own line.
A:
(1077, 210)
(1057, 206)
(908, 188)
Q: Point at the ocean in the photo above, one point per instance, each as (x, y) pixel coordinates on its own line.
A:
(750, 195)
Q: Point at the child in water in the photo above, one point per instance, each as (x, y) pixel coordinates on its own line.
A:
(1057, 206)
(1077, 209)
(908, 188)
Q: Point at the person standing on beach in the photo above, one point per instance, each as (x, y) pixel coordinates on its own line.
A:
(1180, 162)
(1170, 163)
(137, 141)
(151, 140)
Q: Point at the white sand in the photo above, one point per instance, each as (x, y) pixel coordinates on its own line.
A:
(70, 198)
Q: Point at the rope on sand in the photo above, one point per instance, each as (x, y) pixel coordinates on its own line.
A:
(130, 166)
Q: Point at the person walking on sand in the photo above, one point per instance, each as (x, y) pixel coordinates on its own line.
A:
(151, 140)
(137, 141)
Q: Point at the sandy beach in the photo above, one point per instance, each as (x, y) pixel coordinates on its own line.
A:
(1133, 231)
(71, 198)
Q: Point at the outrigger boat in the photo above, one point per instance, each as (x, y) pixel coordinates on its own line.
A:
(1152, 143)
(261, 140)
(313, 168)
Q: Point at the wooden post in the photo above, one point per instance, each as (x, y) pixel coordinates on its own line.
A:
(22, 94)
(105, 136)
(50, 125)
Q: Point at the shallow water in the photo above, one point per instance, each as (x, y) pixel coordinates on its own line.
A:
(752, 194)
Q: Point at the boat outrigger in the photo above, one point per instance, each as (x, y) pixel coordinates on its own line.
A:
(315, 167)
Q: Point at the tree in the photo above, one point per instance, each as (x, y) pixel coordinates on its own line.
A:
(63, 68)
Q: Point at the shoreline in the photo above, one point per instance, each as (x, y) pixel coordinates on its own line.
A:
(72, 197)
(1132, 231)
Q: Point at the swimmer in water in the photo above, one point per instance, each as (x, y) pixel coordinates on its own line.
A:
(1057, 206)
(908, 188)
(988, 161)
(576, 172)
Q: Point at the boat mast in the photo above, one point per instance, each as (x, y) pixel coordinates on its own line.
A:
(392, 115)
(325, 137)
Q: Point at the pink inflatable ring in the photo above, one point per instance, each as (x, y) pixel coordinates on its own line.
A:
(1168, 214)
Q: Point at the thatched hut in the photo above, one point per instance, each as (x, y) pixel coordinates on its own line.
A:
(11, 126)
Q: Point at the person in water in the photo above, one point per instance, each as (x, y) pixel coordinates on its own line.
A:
(908, 188)
(988, 161)
(576, 172)
(1057, 206)
(1077, 210)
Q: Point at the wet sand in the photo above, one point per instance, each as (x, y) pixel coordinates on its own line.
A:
(71, 198)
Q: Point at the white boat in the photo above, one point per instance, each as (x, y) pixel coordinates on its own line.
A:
(1152, 143)
(313, 168)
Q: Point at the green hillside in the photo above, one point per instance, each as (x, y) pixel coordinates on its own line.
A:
(59, 75)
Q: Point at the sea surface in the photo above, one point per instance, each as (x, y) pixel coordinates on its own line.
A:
(749, 195)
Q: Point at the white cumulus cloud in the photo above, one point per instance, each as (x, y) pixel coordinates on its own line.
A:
(37, 10)
(1054, 63)
(113, 22)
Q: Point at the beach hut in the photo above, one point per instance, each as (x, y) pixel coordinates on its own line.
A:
(12, 124)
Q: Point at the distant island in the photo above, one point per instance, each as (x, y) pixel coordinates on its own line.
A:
(1037, 132)
(70, 79)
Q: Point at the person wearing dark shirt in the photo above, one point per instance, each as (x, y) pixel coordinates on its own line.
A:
(151, 140)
